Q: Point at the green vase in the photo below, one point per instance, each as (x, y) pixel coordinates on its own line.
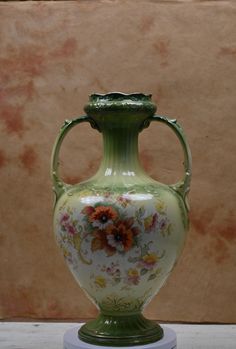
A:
(121, 232)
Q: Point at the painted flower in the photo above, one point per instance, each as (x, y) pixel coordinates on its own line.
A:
(123, 201)
(121, 236)
(100, 242)
(114, 273)
(101, 216)
(160, 206)
(133, 276)
(113, 270)
(150, 222)
(64, 218)
(148, 261)
(118, 237)
(100, 281)
(71, 229)
(163, 224)
(67, 225)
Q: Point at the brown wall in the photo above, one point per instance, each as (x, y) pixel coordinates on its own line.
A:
(52, 56)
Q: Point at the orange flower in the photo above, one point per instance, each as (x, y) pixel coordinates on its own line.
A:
(117, 237)
(102, 216)
(99, 242)
(121, 235)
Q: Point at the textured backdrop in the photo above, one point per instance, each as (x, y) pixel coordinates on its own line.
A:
(52, 56)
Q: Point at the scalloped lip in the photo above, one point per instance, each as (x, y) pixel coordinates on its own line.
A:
(117, 103)
(120, 94)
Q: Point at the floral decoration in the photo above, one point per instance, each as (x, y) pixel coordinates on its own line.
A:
(100, 216)
(148, 261)
(133, 276)
(100, 281)
(115, 227)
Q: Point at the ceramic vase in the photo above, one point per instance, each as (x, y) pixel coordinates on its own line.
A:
(120, 231)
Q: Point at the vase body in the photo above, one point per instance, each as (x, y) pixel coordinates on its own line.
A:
(121, 232)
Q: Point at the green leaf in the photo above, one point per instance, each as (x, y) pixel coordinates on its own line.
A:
(76, 240)
(144, 249)
(152, 277)
(141, 211)
(79, 228)
(143, 271)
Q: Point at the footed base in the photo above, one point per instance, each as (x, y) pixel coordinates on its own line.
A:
(71, 341)
(122, 330)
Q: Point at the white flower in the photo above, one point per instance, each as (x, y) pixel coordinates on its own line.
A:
(112, 241)
(101, 225)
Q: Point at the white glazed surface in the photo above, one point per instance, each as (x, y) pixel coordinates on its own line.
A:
(124, 274)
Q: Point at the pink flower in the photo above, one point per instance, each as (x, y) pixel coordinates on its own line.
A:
(150, 222)
(133, 276)
(64, 217)
(123, 201)
(70, 229)
(67, 225)
(113, 270)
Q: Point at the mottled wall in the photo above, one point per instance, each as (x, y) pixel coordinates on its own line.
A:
(52, 56)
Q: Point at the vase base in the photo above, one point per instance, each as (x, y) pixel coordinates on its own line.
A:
(168, 341)
(120, 330)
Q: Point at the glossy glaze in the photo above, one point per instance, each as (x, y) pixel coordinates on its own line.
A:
(120, 231)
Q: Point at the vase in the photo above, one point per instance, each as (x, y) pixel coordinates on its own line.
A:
(120, 231)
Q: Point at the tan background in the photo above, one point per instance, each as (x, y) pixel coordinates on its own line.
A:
(52, 56)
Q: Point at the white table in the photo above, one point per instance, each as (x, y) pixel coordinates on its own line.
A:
(38, 335)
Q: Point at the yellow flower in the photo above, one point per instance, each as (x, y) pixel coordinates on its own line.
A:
(148, 221)
(133, 272)
(133, 276)
(150, 259)
(100, 281)
(160, 206)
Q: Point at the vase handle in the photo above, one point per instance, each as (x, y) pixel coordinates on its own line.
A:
(183, 186)
(58, 185)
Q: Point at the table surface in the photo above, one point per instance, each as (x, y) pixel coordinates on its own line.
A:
(38, 335)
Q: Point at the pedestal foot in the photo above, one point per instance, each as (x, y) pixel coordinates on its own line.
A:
(168, 341)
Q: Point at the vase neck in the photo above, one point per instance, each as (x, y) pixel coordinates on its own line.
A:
(120, 117)
(120, 153)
